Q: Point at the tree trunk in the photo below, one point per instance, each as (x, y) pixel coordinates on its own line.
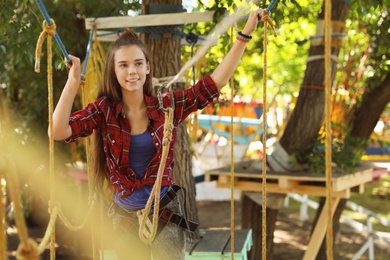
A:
(372, 106)
(364, 122)
(252, 218)
(308, 115)
(166, 62)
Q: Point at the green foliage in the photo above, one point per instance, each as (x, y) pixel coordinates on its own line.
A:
(346, 153)
(26, 91)
(21, 25)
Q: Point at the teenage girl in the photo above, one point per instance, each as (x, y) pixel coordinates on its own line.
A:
(129, 123)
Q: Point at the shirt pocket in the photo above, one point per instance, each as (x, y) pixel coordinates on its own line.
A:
(114, 145)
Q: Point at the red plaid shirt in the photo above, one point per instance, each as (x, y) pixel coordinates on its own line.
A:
(109, 120)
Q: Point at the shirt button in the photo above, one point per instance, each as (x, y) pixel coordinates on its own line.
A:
(157, 144)
(113, 141)
(152, 134)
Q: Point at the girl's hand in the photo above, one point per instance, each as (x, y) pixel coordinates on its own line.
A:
(251, 23)
(74, 72)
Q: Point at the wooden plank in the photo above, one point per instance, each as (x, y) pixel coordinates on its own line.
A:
(340, 182)
(215, 244)
(319, 232)
(149, 20)
(241, 241)
(275, 188)
(111, 36)
(351, 180)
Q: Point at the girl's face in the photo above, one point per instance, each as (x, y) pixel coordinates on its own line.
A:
(131, 68)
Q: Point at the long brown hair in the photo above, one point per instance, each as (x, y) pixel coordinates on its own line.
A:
(111, 89)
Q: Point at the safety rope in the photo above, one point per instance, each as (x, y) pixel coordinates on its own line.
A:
(232, 177)
(54, 208)
(26, 247)
(328, 130)
(266, 19)
(3, 205)
(148, 229)
(91, 175)
(49, 30)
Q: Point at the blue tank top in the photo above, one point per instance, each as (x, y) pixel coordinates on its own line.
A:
(141, 153)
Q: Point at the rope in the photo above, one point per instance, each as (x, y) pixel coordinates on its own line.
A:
(91, 180)
(3, 205)
(12, 182)
(48, 32)
(232, 227)
(266, 19)
(27, 252)
(47, 238)
(209, 41)
(328, 140)
(56, 36)
(148, 229)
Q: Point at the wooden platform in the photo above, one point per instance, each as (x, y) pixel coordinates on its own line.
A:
(248, 177)
(216, 244)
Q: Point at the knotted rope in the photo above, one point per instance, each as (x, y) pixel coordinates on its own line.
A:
(148, 229)
(48, 32)
(266, 19)
(27, 252)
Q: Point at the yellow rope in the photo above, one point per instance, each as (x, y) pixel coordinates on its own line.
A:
(27, 248)
(328, 141)
(148, 229)
(266, 19)
(49, 231)
(3, 204)
(232, 217)
(48, 32)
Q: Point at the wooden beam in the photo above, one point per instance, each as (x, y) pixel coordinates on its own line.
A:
(149, 20)
(111, 36)
(351, 180)
(319, 232)
(275, 188)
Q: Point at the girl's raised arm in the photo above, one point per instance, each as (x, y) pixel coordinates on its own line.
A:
(226, 68)
(61, 114)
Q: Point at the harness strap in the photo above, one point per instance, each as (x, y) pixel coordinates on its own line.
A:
(165, 215)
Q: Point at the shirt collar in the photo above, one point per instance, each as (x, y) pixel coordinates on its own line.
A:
(150, 106)
(118, 109)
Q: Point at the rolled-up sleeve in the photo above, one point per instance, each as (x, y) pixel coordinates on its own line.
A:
(197, 97)
(83, 122)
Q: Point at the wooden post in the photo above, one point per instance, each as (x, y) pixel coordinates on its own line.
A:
(319, 232)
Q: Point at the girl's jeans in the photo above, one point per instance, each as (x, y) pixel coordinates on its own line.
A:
(168, 244)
